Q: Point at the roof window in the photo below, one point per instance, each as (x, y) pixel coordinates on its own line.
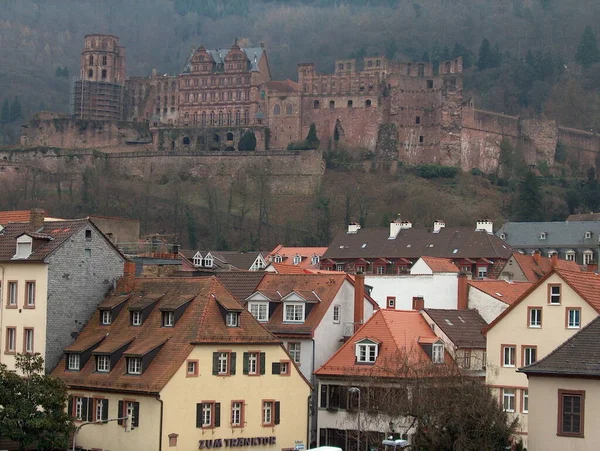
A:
(24, 247)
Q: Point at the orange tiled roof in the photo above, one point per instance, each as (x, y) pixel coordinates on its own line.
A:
(283, 86)
(288, 253)
(535, 268)
(507, 292)
(281, 268)
(438, 264)
(14, 216)
(400, 334)
(201, 322)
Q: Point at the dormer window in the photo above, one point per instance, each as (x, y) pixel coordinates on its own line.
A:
(208, 261)
(260, 310)
(437, 353)
(134, 365)
(297, 259)
(278, 259)
(294, 312)
(168, 319)
(197, 259)
(73, 362)
(106, 317)
(503, 236)
(588, 235)
(103, 363)
(233, 319)
(366, 351)
(136, 318)
(24, 243)
(315, 260)
(543, 235)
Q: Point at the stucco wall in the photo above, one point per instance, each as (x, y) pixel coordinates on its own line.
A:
(438, 290)
(488, 307)
(76, 284)
(543, 414)
(21, 317)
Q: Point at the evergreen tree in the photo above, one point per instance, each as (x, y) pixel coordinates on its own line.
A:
(445, 55)
(486, 56)
(425, 57)
(16, 111)
(587, 51)
(530, 199)
(5, 116)
(311, 139)
(248, 141)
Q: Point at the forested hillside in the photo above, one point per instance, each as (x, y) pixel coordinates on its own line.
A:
(526, 56)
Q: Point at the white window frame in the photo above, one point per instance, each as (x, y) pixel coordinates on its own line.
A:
(197, 259)
(28, 340)
(588, 257)
(134, 365)
(570, 256)
(223, 363)
(297, 259)
(366, 352)
(30, 294)
(136, 318)
(381, 270)
(256, 310)
(207, 409)
(512, 350)
(339, 267)
(106, 317)
(208, 261)
(168, 318)
(543, 235)
(437, 353)
(554, 295)
(315, 259)
(78, 413)
(482, 272)
(337, 309)
(253, 362)
(535, 317)
(103, 364)
(99, 409)
(233, 319)
(293, 312)
(236, 413)
(284, 368)
(571, 324)
(191, 367)
(508, 399)
(12, 293)
(295, 351)
(11, 339)
(529, 355)
(267, 411)
(525, 406)
(74, 360)
(588, 235)
(24, 247)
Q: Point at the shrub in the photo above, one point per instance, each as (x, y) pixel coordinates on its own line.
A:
(247, 141)
(476, 172)
(432, 171)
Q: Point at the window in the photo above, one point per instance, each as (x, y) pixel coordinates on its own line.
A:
(339, 267)
(366, 353)
(331, 104)
(466, 359)
(11, 340)
(554, 294)
(315, 259)
(134, 365)
(525, 401)
(259, 310)
(136, 318)
(90, 73)
(106, 317)
(233, 319)
(270, 413)
(588, 235)
(571, 407)
(570, 256)
(336, 314)
(418, 120)
(297, 259)
(12, 294)
(391, 302)
(223, 363)
(252, 362)
(289, 109)
(208, 260)
(421, 138)
(73, 362)
(91, 60)
(294, 313)
(278, 259)
(276, 110)
(508, 399)
(588, 257)
(81, 405)
(529, 355)
(574, 318)
(429, 84)
(437, 353)
(237, 413)
(103, 73)
(508, 355)
(208, 414)
(191, 368)
(103, 363)
(316, 105)
(284, 368)
(535, 316)
(29, 294)
(168, 319)
(131, 409)
(87, 253)
(543, 235)
(380, 270)
(27, 340)
(368, 103)
(294, 350)
(349, 103)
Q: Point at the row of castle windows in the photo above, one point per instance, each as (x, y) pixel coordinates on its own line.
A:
(91, 73)
(165, 100)
(104, 60)
(209, 67)
(94, 43)
(289, 109)
(350, 104)
(220, 96)
(219, 119)
(214, 81)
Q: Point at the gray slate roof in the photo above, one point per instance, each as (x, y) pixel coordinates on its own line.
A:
(558, 234)
(578, 356)
(254, 54)
(450, 242)
(463, 327)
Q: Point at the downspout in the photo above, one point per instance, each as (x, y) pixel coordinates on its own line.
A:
(313, 407)
(1, 299)
(160, 428)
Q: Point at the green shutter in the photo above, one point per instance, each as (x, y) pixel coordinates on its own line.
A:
(120, 413)
(199, 415)
(104, 409)
(246, 362)
(277, 412)
(232, 369)
(262, 363)
(136, 415)
(90, 415)
(217, 414)
(276, 368)
(215, 363)
(84, 409)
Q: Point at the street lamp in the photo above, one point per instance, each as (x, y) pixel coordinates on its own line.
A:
(357, 390)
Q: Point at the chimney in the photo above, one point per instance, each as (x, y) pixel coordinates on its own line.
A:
(359, 298)
(438, 225)
(418, 303)
(128, 276)
(462, 301)
(36, 218)
(485, 225)
(554, 259)
(353, 227)
(536, 257)
(396, 226)
(153, 73)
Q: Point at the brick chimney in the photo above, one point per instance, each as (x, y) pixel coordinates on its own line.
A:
(418, 303)
(359, 298)
(554, 259)
(536, 257)
(128, 281)
(36, 218)
(462, 301)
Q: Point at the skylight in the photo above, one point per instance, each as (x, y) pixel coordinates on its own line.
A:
(455, 251)
(449, 322)
(364, 245)
(499, 294)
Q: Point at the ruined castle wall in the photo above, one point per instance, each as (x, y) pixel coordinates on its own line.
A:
(285, 126)
(582, 146)
(540, 137)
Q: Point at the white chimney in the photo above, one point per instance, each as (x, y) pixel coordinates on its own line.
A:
(485, 225)
(395, 228)
(405, 225)
(353, 227)
(438, 225)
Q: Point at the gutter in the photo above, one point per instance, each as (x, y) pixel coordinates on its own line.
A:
(160, 428)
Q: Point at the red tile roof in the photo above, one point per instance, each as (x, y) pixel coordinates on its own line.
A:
(536, 267)
(400, 334)
(438, 264)
(283, 86)
(507, 292)
(14, 216)
(201, 322)
(288, 253)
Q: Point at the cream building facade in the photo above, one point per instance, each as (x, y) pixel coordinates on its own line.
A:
(544, 317)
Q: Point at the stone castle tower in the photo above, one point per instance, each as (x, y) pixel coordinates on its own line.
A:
(98, 92)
